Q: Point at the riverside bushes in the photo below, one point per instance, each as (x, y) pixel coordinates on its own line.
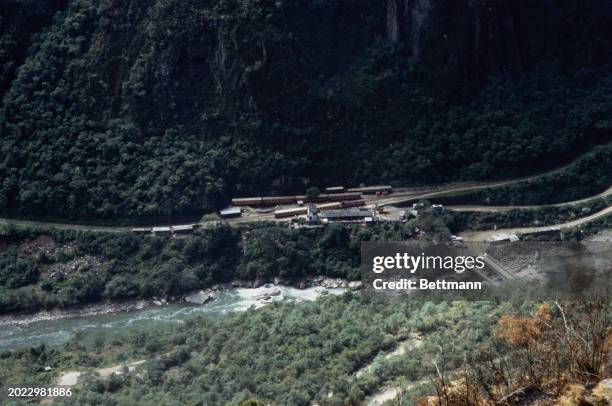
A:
(42, 269)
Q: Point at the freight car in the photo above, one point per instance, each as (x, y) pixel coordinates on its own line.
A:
(370, 190)
(354, 203)
(142, 230)
(183, 229)
(273, 200)
(329, 206)
(247, 201)
(296, 211)
(337, 197)
(179, 229)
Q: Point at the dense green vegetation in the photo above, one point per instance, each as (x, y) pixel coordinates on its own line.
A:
(156, 109)
(586, 177)
(19, 21)
(542, 216)
(44, 269)
(589, 229)
(284, 353)
(337, 350)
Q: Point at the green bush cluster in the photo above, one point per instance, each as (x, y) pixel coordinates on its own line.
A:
(110, 266)
(285, 353)
(546, 215)
(586, 177)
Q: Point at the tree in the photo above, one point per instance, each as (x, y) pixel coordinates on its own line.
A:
(535, 356)
(312, 192)
(254, 402)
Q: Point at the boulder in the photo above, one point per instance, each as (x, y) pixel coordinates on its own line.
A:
(331, 283)
(355, 285)
(201, 297)
(264, 298)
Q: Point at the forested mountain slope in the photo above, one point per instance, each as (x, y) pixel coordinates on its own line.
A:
(165, 108)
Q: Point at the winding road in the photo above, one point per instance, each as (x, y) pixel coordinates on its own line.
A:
(398, 197)
(401, 196)
(408, 195)
(604, 194)
(486, 235)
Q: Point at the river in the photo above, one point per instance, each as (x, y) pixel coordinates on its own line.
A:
(54, 332)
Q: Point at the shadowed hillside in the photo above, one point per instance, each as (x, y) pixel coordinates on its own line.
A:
(157, 109)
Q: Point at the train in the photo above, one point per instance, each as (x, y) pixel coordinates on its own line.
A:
(353, 203)
(370, 190)
(297, 211)
(272, 200)
(179, 229)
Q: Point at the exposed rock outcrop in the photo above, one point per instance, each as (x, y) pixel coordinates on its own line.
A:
(473, 39)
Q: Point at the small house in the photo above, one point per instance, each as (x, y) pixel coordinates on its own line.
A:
(230, 212)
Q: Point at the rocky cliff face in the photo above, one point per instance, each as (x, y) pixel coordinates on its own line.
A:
(258, 53)
(473, 39)
(407, 20)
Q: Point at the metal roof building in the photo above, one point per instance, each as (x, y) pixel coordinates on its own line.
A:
(231, 212)
(347, 214)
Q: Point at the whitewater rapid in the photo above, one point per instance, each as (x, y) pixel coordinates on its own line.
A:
(56, 330)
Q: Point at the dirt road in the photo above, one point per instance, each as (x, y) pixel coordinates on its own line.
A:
(486, 235)
(401, 195)
(407, 195)
(64, 226)
(71, 378)
(606, 193)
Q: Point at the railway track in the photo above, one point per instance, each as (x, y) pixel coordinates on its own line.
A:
(400, 196)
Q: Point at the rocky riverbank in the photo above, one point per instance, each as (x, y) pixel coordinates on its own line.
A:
(87, 310)
(92, 322)
(207, 295)
(198, 297)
